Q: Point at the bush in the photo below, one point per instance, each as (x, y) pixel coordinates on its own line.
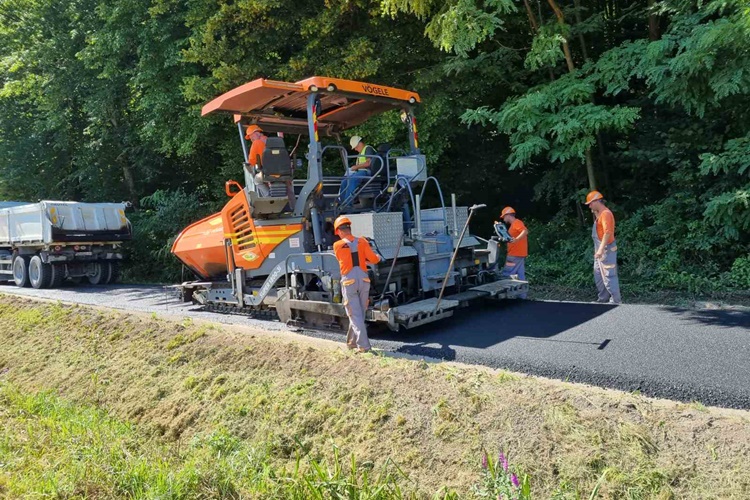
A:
(656, 252)
(161, 218)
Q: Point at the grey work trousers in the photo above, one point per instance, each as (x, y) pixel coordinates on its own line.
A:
(517, 266)
(356, 294)
(605, 276)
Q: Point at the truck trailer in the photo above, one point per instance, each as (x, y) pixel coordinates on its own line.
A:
(43, 244)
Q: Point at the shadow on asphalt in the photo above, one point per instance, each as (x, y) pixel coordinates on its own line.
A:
(711, 317)
(485, 325)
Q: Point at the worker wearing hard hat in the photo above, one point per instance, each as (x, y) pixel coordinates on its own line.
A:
(254, 158)
(353, 255)
(605, 249)
(360, 168)
(255, 134)
(518, 246)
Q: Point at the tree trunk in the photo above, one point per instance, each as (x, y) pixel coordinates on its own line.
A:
(127, 174)
(654, 33)
(561, 22)
(590, 170)
(532, 18)
(572, 68)
(535, 28)
(581, 39)
(127, 171)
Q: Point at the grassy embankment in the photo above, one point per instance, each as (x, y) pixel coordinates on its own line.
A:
(144, 406)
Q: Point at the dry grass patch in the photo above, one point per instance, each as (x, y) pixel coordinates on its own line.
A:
(180, 380)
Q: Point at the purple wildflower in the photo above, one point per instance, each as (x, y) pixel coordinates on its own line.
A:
(514, 480)
(484, 461)
(503, 461)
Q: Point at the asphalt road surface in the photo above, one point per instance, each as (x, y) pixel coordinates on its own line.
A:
(661, 351)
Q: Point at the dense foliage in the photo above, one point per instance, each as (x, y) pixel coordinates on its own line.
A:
(526, 103)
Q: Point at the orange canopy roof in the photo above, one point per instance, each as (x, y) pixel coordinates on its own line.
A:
(281, 106)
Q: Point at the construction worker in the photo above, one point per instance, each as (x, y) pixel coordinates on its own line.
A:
(353, 255)
(518, 246)
(605, 249)
(255, 134)
(360, 168)
(254, 158)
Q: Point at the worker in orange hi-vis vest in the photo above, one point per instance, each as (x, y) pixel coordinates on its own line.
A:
(605, 250)
(255, 134)
(518, 246)
(353, 255)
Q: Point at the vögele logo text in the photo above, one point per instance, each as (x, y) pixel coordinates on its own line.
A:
(371, 89)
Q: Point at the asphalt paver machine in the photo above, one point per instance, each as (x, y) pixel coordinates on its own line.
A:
(268, 253)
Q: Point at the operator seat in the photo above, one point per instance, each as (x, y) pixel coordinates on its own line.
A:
(276, 166)
(276, 169)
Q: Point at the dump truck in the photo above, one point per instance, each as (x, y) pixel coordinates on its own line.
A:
(43, 244)
(267, 255)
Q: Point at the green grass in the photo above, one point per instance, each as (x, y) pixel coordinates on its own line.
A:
(221, 412)
(53, 448)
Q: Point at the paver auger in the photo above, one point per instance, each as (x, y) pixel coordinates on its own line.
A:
(261, 256)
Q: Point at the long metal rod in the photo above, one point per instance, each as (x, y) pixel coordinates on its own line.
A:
(418, 214)
(242, 141)
(455, 215)
(455, 252)
(393, 265)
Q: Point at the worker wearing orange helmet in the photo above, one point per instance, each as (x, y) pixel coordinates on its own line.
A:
(353, 255)
(255, 157)
(518, 246)
(605, 249)
(255, 134)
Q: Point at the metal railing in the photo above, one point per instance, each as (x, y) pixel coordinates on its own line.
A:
(349, 199)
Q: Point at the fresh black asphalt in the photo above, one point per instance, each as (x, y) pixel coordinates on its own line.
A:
(667, 352)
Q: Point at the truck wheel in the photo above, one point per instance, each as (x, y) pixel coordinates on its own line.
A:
(40, 274)
(58, 275)
(114, 275)
(102, 271)
(21, 271)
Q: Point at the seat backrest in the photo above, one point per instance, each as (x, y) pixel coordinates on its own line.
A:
(275, 162)
(383, 149)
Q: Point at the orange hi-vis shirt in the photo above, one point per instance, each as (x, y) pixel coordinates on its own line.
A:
(518, 248)
(344, 255)
(605, 223)
(256, 152)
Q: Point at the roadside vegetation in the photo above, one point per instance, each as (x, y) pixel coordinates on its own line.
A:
(101, 404)
(524, 104)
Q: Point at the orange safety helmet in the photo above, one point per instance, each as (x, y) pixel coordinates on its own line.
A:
(507, 211)
(593, 196)
(251, 130)
(340, 221)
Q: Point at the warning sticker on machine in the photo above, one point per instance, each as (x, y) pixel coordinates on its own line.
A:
(293, 242)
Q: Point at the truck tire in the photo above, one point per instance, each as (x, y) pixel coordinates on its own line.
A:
(40, 274)
(58, 275)
(114, 275)
(101, 274)
(21, 271)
